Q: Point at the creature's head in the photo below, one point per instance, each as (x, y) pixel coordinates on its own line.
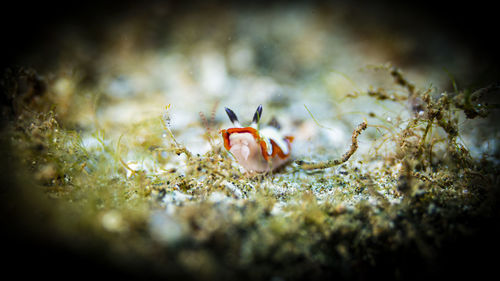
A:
(256, 150)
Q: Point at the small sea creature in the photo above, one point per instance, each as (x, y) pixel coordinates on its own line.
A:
(257, 150)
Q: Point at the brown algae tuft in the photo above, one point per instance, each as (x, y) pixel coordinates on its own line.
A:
(413, 192)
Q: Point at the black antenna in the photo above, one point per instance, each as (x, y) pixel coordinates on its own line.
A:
(231, 115)
(258, 113)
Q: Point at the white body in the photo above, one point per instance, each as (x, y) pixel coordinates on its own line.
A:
(249, 155)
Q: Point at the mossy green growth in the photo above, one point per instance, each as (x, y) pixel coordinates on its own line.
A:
(146, 197)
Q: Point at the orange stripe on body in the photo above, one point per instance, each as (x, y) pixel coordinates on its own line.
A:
(276, 150)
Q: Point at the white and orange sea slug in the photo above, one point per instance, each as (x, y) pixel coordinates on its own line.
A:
(256, 150)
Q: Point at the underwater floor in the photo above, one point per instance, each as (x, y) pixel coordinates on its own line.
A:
(114, 165)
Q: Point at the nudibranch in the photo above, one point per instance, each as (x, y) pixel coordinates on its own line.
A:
(255, 149)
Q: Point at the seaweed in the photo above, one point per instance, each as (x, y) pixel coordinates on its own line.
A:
(115, 198)
(345, 157)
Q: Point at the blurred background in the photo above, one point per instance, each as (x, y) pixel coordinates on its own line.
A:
(131, 59)
(431, 30)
